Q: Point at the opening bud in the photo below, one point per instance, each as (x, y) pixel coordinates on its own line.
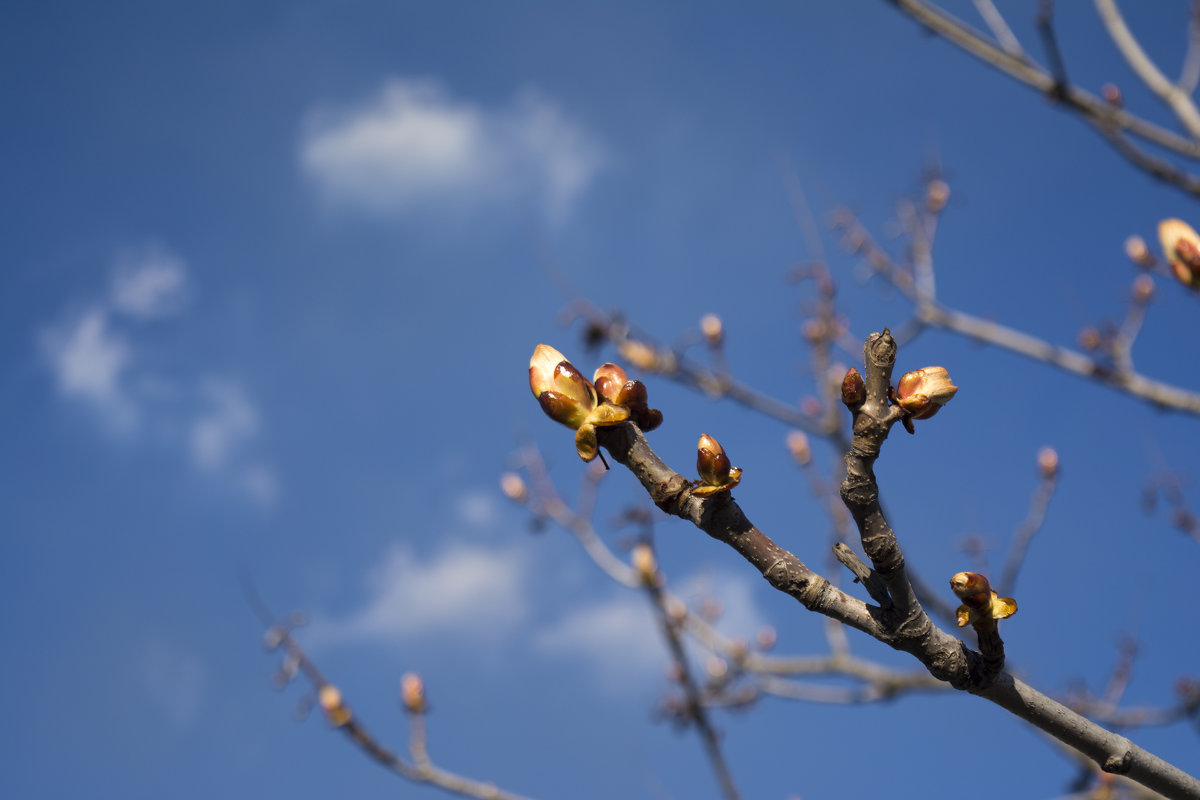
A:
(714, 467)
(1181, 247)
(854, 389)
(922, 392)
(980, 605)
(615, 387)
(571, 399)
(412, 693)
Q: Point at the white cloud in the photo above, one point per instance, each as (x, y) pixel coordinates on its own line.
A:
(88, 359)
(149, 282)
(414, 146)
(617, 638)
(230, 420)
(94, 360)
(175, 682)
(464, 588)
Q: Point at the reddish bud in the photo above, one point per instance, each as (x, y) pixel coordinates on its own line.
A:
(329, 698)
(980, 605)
(1181, 247)
(937, 194)
(1138, 252)
(712, 329)
(797, 444)
(1047, 462)
(514, 487)
(1112, 95)
(854, 390)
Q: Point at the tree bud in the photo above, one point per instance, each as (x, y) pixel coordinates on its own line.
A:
(1181, 247)
(797, 444)
(854, 390)
(1112, 94)
(329, 698)
(922, 392)
(712, 329)
(937, 194)
(514, 487)
(1138, 252)
(645, 564)
(568, 397)
(980, 605)
(714, 468)
(609, 379)
(1047, 462)
(412, 693)
(640, 354)
(1143, 289)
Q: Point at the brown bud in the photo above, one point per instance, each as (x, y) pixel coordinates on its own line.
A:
(1112, 94)
(854, 390)
(1047, 462)
(1138, 252)
(514, 487)
(412, 693)
(714, 468)
(937, 194)
(712, 329)
(608, 379)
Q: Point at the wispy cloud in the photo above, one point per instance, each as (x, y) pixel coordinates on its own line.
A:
(93, 354)
(465, 589)
(149, 282)
(616, 638)
(89, 360)
(414, 146)
(175, 681)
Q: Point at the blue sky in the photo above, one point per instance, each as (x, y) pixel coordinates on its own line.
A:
(270, 279)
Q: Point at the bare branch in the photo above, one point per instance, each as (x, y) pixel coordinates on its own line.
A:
(1173, 96)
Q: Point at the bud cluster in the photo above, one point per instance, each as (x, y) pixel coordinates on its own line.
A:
(571, 399)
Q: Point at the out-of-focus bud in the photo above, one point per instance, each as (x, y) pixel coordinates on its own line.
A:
(922, 392)
(980, 605)
(412, 693)
(766, 638)
(815, 331)
(714, 468)
(1047, 462)
(1181, 246)
(738, 650)
(937, 194)
(640, 354)
(273, 637)
(810, 405)
(1137, 251)
(712, 329)
(514, 487)
(329, 698)
(797, 445)
(676, 610)
(568, 397)
(716, 667)
(1143, 289)
(1090, 339)
(711, 609)
(645, 564)
(854, 390)
(1112, 95)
